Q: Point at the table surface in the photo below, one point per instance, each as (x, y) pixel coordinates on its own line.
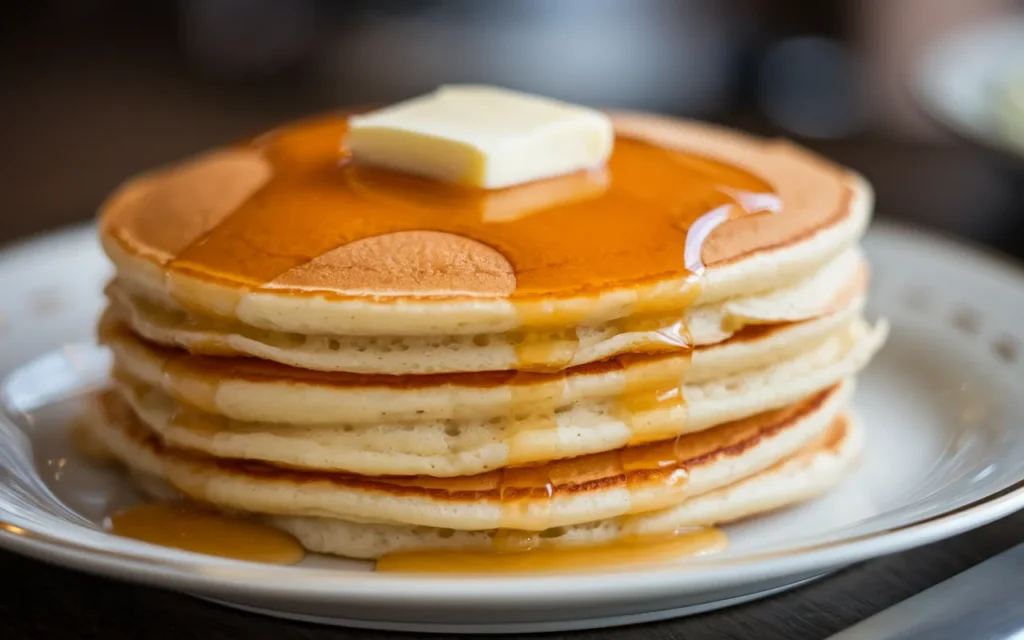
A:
(937, 184)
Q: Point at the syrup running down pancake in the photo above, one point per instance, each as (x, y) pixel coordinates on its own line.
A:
(376, 431)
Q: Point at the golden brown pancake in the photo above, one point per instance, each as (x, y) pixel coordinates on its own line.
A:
(630, 480)
(286, 226)
(457, 425)
(811, 471)
(188, 370)
(814, 469)
(835, 288)
(289, 210)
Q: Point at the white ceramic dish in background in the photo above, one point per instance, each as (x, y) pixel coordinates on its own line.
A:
(955, 80)
(943, 404)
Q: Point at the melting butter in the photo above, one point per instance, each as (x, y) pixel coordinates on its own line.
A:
(484, 137)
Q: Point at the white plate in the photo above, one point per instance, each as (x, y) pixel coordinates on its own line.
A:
(956, 78)
(942, 402)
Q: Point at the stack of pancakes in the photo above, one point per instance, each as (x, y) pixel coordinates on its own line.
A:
(380, 364)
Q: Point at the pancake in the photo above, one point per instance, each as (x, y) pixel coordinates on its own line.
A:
(809, 473)
(250, 389)
(284, 233)
(567, 427)
(383, 364)
(835, 286)
(633, 480)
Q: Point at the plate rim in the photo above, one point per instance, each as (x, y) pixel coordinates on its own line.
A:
(192, 572)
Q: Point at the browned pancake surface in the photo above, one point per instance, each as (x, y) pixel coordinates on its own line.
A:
(290, 211)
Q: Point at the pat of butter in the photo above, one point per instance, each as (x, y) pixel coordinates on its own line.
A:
(482, 136)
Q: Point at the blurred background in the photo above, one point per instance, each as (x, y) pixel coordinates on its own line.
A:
(92, 91)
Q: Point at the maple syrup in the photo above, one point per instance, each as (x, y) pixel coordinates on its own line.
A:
(645, 401)
(629, 552)
(198, 529)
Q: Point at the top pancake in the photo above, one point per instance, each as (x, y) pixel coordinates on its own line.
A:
(285, 232)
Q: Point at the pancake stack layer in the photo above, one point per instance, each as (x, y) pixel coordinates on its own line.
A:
(382, 364)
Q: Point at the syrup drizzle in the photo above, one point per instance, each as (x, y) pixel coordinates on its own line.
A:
(639, 402)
